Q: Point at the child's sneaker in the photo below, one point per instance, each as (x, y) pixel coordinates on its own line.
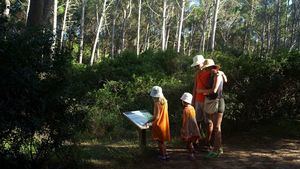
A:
(220, 151)
(162, 157)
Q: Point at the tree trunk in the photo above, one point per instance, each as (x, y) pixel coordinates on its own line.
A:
(268, 36)
(48, 5)
(35, 15)
(99, 29)
(63, 30)
(27, 12)
(55, 2)
(180, 25)
(251, 25)
(191, 40)
(167, 36)
(245, 37)
(146, 38)
(295, 25)
(139, 28)
(176, 34)
(113, 31)
(163, 30)
(286, 24)
(125, 17)
(97, 18)
(214, 25)
(262, 39)
(277, 25)
(81, 31)
(7, 8)
(39, 13)
(203, 34)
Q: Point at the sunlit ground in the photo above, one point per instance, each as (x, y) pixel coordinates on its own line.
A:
(239, 152)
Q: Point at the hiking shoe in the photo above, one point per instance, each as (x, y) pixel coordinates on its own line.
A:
(220, 151)
(212, 155)
(167, 157)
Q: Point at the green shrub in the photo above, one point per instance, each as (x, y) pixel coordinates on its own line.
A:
(37, 116)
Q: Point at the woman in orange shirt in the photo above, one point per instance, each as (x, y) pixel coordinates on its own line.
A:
(160, 121)
(190, 131)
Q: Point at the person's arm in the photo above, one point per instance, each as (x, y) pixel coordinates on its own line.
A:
(217, 81)
(223, 76)
(204, 91)
(155, 114)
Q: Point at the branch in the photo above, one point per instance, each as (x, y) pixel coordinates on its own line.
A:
(152, 9)
(189, 14)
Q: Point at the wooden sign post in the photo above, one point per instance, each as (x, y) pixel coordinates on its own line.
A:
(139, 118)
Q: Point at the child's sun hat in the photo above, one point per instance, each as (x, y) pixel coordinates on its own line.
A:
(187, 97)
(156, 91)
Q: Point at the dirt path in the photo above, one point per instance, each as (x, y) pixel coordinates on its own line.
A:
(239, 152)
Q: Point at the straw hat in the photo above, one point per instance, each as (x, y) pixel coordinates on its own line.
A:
(209, 63)
(156, 91)
(197, 60)
(187, 97)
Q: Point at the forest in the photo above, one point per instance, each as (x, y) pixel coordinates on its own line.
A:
(70, 68)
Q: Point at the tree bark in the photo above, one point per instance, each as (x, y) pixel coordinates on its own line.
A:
(262, 39)
(27, 12)
(55, 2)
(39, 13)
(125, 17)
(81, 31)
(191, 40)
(146, 46)
(113, 31)
(35, 15)
(139, 28)
(97, 18)
(99, 29)
(204, 27)
(63, 29)
(6, 11)
(277, 25)
(268, 36)
(286, 24)
(167, 36)
(214, 24)
(163, 30)
(176, 34)
(180, 25)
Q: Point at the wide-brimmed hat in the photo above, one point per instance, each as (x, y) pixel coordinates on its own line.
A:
(209, 63)
(156, 91)
(197, 60)
(187, 97)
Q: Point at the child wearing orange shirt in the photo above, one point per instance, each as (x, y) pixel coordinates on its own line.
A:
(190, 131)
(160, 121)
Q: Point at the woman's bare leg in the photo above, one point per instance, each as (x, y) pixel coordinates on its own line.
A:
(217, 121)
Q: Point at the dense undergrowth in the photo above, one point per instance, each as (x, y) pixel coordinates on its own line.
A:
(48, 101)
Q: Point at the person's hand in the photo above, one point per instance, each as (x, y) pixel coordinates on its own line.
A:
(148, 124)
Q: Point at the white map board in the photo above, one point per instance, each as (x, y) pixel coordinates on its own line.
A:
(139, 117)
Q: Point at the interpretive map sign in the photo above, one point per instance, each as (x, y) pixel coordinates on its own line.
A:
(139, 117)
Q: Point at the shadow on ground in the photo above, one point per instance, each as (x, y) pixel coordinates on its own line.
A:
(239, 152)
